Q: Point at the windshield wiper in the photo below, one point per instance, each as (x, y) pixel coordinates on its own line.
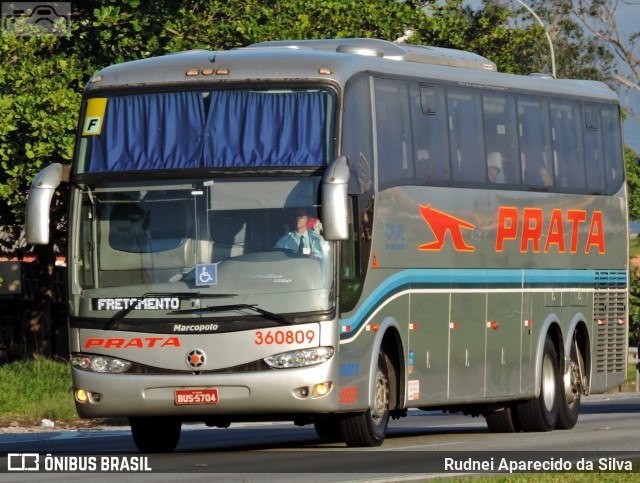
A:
(223, 308)
(121, 314)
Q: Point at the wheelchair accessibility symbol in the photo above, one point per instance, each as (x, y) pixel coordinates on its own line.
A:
(206, 274)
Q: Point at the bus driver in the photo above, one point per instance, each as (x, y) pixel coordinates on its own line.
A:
(302, 239)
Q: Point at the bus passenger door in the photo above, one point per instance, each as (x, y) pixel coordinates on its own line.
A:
(467, 346)
(428, 348)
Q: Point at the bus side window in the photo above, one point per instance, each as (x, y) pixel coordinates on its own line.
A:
(466, 135)
(536, 158)
(612, 147)
(569, 159)
(357, 139)
(499, 115)
(594, 159)
(429, 124)
(393, 128)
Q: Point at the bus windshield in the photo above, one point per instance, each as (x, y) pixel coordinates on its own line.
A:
(234, 242)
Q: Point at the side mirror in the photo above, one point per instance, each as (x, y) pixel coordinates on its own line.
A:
(334, 200)
(39, 202)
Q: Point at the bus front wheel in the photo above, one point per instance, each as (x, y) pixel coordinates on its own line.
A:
(328, 428)
(541, 413)
(155, 435)
(370, 428)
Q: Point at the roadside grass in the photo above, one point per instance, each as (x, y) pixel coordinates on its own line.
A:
(36, 389)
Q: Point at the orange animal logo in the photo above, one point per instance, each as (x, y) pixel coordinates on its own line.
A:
(441, 223)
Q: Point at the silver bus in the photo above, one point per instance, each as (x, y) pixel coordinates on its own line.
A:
(333, 232)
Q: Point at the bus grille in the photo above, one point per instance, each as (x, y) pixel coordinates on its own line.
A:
(610, 316)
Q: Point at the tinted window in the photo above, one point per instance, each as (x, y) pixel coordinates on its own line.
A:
(465, 135)
(442, 135)
(500, 139)
(431, 149)
(612, 147)
(393, 127)
(535, 144)
(566, 129)
(593, 154)
(357, 140)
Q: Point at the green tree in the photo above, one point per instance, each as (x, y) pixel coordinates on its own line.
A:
(110, 32)
(220, 24)
(633, 188)
(41, 92)
(40, 98)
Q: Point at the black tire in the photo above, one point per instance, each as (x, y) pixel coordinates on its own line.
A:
(328, 428)
(503, 421)
(155, 435)
(568, 412)
(541, 413)
(369, 429)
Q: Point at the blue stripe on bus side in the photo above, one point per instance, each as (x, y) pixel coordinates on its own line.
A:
(476, 278)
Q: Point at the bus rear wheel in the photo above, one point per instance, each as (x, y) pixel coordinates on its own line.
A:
(569, 409)
(155, 435)
(370, 428)
(541, 413)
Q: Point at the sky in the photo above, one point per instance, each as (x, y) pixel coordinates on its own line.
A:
(628, 16)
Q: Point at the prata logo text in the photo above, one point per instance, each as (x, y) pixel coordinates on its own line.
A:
(132, 343)
(532, 230)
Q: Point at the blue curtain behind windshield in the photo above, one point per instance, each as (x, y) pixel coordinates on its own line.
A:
(242, 129)
(151, 131)
(265, 129)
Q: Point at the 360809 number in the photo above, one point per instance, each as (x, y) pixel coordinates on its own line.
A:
(282, 337)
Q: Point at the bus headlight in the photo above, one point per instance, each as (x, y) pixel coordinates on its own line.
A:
(103, 364)
(300, 357)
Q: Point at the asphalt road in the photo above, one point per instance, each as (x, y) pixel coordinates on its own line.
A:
(422, 446)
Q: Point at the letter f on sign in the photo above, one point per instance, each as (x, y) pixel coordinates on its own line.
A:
(92, 125)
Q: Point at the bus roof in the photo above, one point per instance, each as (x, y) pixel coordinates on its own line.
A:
(389, 50)
(337, 60)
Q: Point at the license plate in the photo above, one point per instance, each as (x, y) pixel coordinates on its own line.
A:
(196, 396)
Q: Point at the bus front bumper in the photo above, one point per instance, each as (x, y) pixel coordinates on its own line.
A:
(271, 393)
